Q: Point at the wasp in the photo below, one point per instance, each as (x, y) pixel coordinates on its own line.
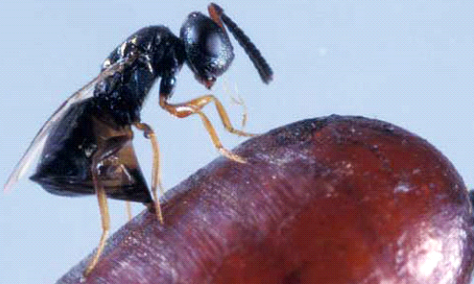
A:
(86, 146)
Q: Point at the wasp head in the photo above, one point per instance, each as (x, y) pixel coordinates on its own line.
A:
(209, 51)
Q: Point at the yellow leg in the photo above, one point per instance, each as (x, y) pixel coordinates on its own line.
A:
(105, 218)
(194, 107)
(215, 140)
(156, 172)
(128, 210)
(187, 108)
(238, 100)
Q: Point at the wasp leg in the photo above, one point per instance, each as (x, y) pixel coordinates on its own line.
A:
(128, 210)
(105, 218)
(238, 100)
(156, 173)
(194, 107)
(109, 149)
(182, 110)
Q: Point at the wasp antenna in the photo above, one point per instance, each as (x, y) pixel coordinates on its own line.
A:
(252, 51)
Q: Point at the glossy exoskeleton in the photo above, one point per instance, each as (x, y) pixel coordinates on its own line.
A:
(86, 146)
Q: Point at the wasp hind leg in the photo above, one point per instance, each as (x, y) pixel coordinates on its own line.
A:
(108, 149)
(194, 107)
(105, 218)
(128, 210)
(156, 173)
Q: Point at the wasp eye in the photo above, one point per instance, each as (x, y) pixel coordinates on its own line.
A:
(208, 49)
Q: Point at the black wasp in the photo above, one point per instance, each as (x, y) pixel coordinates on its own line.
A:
(86, 145)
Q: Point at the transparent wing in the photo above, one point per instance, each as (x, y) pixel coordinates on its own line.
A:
(39, 141)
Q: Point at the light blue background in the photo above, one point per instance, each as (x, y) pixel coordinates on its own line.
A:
(407, 62)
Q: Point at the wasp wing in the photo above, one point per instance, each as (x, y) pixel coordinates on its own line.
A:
(39, 141)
